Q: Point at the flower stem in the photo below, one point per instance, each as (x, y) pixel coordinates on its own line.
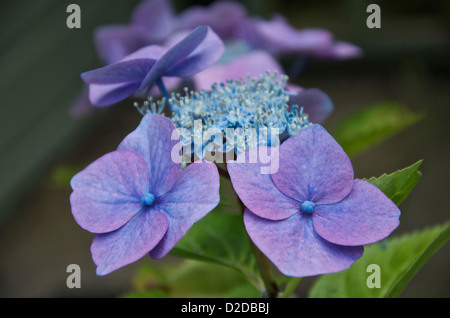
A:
(223, 172)
(291, 285)
(164, 92)
(266, 274)
(264, 267)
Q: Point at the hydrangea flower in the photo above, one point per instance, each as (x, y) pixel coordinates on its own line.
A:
(310, 216)
(137, 201)
(139, 71)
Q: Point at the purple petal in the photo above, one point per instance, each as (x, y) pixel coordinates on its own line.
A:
(317, 104)
(107, 193)
(152, 52)
(223, 17)
(115, 82)
(176, 37)
(121, 72)
(295, 248)
(254, 63)
(156, 17)
(256, 189)
(170, 83)
(199, 50)
(338, 51)
(107, 94)
(155, 138)
(279, 37)
(114, 42)
(208, 49)
(293, 88)
(365, 216)
(194, 195)
(151, 22)
(81, 105)
(314, 167)
(113, 250)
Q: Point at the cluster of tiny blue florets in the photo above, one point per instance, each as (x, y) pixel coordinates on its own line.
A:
(255, 110)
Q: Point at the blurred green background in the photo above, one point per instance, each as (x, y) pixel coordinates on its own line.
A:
(406, 61)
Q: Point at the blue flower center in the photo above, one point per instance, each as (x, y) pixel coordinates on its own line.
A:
(147, 199)
(308, 207)
(236, 109)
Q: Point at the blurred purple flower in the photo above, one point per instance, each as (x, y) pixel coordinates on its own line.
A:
(80, 105)
(310, 217)
(315, 102)
(139, 71)
(224, 17)
(137, 201)
(278, 37)
(265, 39)
(152, 21)
(338, 50)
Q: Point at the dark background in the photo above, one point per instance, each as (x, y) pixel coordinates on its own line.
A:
(406, 61)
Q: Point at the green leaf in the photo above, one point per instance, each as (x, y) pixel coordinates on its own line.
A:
(220, 238)
(244, 291)
(188, 279)
(370, 126)
(62, 174)
(399, 259)
(146, 294)
(399, 184)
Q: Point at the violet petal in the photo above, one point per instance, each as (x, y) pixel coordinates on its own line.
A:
(295, 248)
(156, 17)
(338, 51)
(224, 17)
(316, 104)
(257, 190)
(153, 52)
(114, 42)
(113, 250)
(154, 139)
(314, 167)
(81, 105)
(106, 194)
(365, 216)
(121, 72)
(197, 51)
(254, 63)
(195, 194)
(279, 37)
(107, 94)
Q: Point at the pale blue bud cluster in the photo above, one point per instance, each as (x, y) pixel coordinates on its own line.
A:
(236, 115)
